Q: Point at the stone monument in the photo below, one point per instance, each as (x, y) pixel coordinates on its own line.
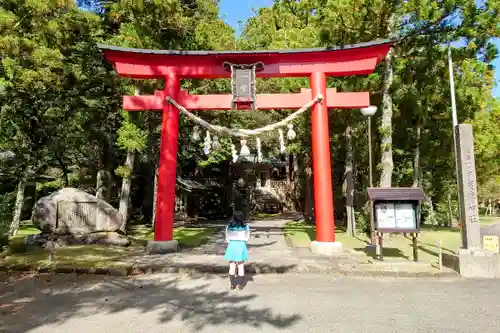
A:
(474, 261)
(72, 216)
(467, 188)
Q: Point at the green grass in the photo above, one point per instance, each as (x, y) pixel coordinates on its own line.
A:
(187, 237)
(88, 256)
(265, 215)
(397, 247)
(94, 256)
(487, 220)
(26, 228)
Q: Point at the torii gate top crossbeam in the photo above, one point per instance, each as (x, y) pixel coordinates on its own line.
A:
(356, 59)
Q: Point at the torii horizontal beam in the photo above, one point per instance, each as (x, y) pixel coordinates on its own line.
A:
(357, 59)
(334, 99)
(204, 71)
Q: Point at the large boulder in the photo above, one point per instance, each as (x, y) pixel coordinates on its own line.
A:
(72, 211)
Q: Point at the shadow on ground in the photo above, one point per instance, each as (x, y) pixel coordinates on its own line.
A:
(28, 302)
(387, 251)
(280, 216)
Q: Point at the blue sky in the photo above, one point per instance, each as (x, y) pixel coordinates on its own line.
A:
(236, 11)
(233, 11)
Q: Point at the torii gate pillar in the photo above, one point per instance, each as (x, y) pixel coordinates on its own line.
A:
(165, 208)
(323, 194)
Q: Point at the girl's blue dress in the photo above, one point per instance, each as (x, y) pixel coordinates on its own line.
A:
(237, 249)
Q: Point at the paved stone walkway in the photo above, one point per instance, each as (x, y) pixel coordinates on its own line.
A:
(269, 303)
(268, 252)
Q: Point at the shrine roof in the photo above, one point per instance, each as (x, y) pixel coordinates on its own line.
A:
(396, 193)
(190, 184)
(251, 52)
(355, 59)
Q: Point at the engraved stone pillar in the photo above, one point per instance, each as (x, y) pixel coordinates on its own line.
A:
(467, 188)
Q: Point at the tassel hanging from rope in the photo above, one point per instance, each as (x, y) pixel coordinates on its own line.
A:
(259, 151)
(290, 135)
(244, 148)
(234, 153)
(216, 144)
(207, 144)
(282, 141)
(196, 133)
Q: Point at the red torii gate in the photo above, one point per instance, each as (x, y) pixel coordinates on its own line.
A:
(316, 63)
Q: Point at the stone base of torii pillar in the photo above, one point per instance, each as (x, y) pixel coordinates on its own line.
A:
(326, 248)
(162, 247)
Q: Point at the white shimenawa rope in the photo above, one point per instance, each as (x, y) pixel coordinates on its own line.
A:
(244, 133)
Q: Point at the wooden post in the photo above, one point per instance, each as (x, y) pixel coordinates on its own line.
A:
(440, 255)
(380, 246)
(414, 237)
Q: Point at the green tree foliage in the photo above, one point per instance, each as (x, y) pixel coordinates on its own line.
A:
(487, 148)
(55, 85)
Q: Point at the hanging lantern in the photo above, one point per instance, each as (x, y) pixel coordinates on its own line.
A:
(243, 84)
(282, 141)
(215, 144)
(259, 152)
(291, 133)
(244, 151)
(196, 133)
(234, 153)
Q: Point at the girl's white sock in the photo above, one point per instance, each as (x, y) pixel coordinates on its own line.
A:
(241, 269)
(232, 268)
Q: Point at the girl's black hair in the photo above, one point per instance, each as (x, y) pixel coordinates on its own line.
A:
(237, 221)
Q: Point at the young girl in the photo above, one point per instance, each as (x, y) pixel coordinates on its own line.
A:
(237, 236)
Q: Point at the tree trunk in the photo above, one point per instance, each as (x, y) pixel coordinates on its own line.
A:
(450, 211)
(126, 185)
(16, 218)
(349, 182)
(123, 207)
(296, 179)
(432, 214)
(288, 191)
(309, 196)
(386, 160)
(489, 208)
(155, 196)
(64, 170)
(104, 173)
(102, 185)
(416, 159)
(416, 165)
